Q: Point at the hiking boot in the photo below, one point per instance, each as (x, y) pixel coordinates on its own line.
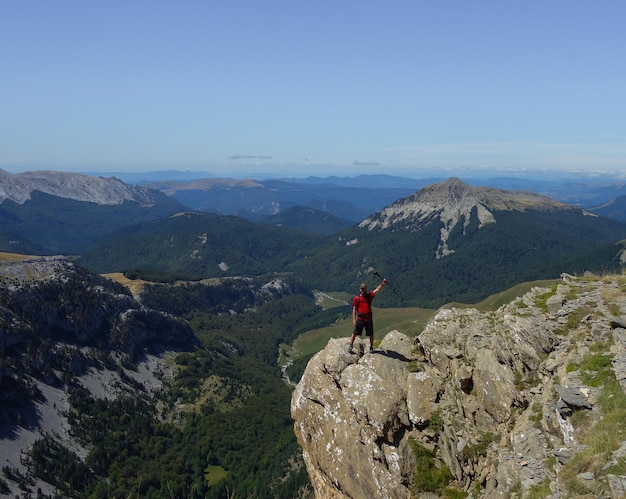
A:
(350, 350)
(371, 349)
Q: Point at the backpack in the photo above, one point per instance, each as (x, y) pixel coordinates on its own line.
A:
(367, 316)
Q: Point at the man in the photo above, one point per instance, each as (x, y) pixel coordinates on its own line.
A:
(362, 314)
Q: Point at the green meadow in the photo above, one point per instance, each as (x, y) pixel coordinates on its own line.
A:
(410, 321)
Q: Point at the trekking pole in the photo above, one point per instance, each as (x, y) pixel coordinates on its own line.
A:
(391, 286)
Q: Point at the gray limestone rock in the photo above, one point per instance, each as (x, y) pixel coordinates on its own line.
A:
(478, 389)
(572, 398)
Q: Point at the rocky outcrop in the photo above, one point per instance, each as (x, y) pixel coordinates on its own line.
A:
(504, 400)
(349, 418)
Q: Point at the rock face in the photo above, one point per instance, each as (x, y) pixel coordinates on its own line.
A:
(52, 298)
(348, 417)
(62, 327)
(491, 394)
(61, 315)
(106, 191)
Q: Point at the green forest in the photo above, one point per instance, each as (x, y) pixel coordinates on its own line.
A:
(220, 428)
(519, 247)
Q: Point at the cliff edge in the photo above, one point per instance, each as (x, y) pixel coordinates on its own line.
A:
(527, 399)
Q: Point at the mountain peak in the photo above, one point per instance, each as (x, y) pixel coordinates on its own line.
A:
(454, 187)
(452, 202)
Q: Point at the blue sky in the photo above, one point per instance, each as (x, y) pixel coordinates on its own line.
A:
(313, 87)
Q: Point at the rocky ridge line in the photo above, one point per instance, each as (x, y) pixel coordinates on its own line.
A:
(104, 191)
(494, 395)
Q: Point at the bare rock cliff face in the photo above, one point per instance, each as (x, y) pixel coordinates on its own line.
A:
(351, 414)
(105, 191)
(501, 399)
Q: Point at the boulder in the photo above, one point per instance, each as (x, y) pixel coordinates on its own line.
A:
(494, 385)
(423, 391)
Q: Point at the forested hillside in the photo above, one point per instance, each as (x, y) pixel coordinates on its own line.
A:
(482, 259)
(200, 244)
(519, 247)
(47, 224)
(122, 400)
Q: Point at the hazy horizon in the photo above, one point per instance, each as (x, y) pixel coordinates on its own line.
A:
(467, 174)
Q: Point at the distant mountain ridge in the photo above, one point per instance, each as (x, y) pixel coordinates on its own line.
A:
(446, 242)
(48, 213)
(77, 186)
(348, 198)
(357, 197)
(452, 202)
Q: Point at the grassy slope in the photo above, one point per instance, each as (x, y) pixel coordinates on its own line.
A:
(496, 300)
(13, 257)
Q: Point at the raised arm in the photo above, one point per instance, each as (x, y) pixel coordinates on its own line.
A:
(379, 287)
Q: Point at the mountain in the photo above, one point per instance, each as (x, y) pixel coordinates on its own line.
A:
(616, 208)
(446, 242)
(308, 220)
(172, 391)
(60, 213)
(352, 199)
(453, 242)
(103, 191)
(528, 400)
(452, 203)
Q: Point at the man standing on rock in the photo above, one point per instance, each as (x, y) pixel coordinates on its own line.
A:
(362, 314)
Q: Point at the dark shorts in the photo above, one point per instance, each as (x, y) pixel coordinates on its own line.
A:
(367, 325)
